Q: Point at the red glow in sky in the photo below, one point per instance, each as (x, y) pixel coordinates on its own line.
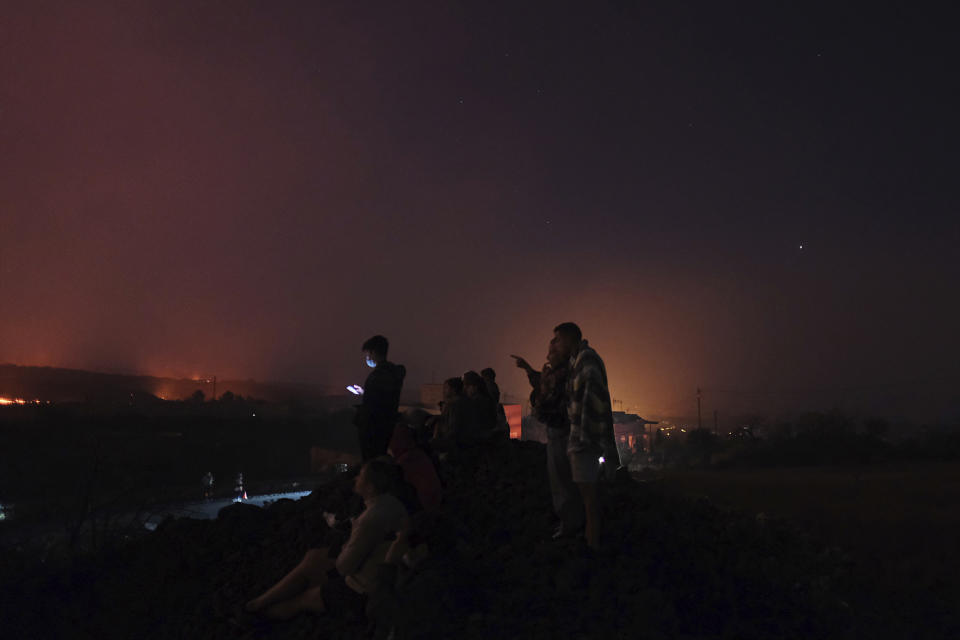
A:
(254, 189)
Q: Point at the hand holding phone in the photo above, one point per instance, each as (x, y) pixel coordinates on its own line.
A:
(355, 389)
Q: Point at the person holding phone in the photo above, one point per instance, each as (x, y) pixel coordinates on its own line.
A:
(377, 412)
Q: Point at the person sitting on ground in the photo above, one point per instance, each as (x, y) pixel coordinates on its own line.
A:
(420, 421)
(490, 382)
(483, 409)
(453, 420)
(493, 390)
(418, 470)
(318, 579)
(422, 425)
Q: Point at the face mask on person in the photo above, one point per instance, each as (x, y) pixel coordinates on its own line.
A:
(371, 363)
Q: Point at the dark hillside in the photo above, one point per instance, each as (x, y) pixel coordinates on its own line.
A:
(674, 567)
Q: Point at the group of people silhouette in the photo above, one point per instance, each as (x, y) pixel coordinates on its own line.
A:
(403, 456)
(470, 412)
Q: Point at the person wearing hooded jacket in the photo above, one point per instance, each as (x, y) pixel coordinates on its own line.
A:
(377, 412)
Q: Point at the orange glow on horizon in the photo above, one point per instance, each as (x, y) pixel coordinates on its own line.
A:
(7, 401)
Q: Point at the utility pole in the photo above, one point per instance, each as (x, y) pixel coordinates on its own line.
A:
(699, 421)
(214, 387)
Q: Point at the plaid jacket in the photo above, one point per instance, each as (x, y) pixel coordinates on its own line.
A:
(589, 408)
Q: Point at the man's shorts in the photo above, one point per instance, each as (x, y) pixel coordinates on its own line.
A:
(585, 464)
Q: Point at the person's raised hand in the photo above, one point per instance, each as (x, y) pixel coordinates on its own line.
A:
(521, 363)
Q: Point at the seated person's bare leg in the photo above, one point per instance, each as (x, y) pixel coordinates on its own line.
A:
(311, 572)
(310, 600)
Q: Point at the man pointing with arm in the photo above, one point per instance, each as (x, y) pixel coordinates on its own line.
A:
(548, 400)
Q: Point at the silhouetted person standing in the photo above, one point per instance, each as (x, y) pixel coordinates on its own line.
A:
(453, 423)
(493, 390)
(548, 400)
(483, 409)
(490, 380)
(591, 420)
(377, 413)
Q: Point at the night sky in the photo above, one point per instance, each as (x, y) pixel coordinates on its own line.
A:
(750, 197)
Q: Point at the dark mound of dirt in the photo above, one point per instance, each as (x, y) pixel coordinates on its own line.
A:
(671, 567)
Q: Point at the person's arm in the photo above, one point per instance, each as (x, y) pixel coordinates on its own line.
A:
(364, 538)
(534, 377)
(532, 374)
(399, 547)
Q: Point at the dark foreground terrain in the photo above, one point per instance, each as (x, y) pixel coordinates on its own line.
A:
(675, 567)
(896, 519)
